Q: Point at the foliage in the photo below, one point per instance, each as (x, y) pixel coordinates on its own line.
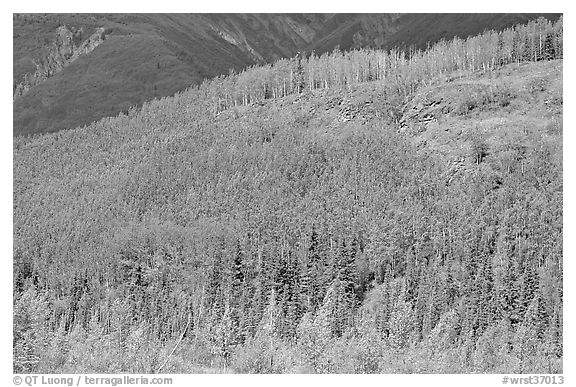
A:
(292, 240)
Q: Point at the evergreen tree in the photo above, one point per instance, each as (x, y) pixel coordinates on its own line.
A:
(299, 82)
(237, 291)
(500, 55)
(214, 291)
(527, 50)
(549, 46)
(347, 272)
(310, 281)
(294, 307)
(542, 317)
(554, 336)
(335, 314)
(529, 285)
(224, 336)
(238, 269)
(487, 311)
(327, 319)
(515, 50)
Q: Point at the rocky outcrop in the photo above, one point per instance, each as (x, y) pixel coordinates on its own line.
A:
(357, 111)
(61, 53)
(422, 111)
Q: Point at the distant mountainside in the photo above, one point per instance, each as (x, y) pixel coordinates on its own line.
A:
(72, 69)
(412, 29)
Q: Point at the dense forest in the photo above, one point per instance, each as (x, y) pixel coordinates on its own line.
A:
(239, 227)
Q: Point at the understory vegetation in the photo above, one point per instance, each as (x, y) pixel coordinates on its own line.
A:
(240, 227)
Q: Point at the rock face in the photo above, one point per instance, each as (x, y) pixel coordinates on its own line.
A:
(422, 111)
(61, 53)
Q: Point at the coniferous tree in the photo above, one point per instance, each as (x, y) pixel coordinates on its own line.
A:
(549, 47)
(310, 282)
(237, 288)
(500, 55)
(487, 301)
(529, 285)
(294, 307)
(347, 272)
(328, 318)
(515, 50)
(527, 50)
(299, 82)
(215, 292)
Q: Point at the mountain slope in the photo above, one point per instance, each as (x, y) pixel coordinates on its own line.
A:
(349, 31)
(420, 29)
(143, 57)
(146, 56)
(403, 218)
(145, 208)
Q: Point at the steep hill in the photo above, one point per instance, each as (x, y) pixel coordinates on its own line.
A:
(142, 57)
(404, 217)
(146, 56)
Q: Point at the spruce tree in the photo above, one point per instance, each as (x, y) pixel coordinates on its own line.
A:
(294, 307)
(549, 46)
(299, 83)
(515, 50)
(487, 300)
(214, 291)
(500, 57)
(347, 272)
(527, 50)
(224, 336)
(310, 277)
(327, 319)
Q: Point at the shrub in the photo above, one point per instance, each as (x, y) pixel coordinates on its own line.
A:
(538, 85)
(485, 98)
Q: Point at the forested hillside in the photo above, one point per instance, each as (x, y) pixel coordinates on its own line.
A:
(354, 212)
(139, 57)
